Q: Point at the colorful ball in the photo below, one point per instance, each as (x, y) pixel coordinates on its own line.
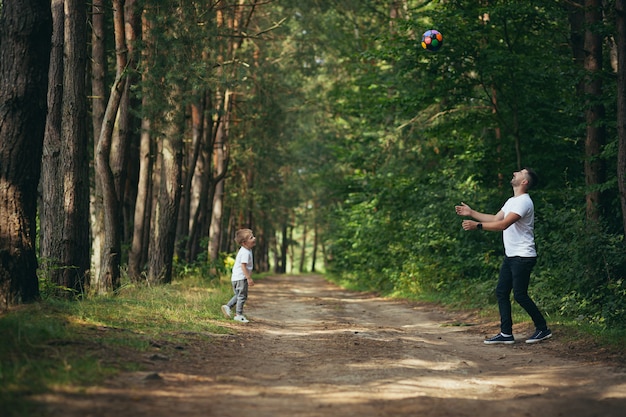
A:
(432, 40)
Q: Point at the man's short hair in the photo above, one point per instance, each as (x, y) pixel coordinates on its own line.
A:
(533, 178)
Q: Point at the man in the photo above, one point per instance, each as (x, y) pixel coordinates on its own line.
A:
(516, 220)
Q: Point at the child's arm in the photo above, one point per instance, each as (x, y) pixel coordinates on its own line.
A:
(246, 273)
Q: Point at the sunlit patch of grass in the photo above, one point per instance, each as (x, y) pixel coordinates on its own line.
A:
(57, 342)
(580, 331)
(156, 310)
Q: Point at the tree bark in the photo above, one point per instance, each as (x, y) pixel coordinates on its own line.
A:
(126, 122)
(168, 199)
(303, 248)
(138, 256)
(98, 66)
(74, 155)
(202, 186)
(98, 108)
(595, 174)
(188, 201)
(215, 228)
(620, 8)
(281, 267)
(315, 241)
(107, 276)
(25, 33)
(51, 205)
(140, 242)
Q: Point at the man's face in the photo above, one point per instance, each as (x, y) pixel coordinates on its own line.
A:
(519, 177)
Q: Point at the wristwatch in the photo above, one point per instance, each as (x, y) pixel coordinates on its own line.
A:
(479, 226)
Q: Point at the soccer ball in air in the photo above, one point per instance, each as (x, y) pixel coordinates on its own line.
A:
(432, 40)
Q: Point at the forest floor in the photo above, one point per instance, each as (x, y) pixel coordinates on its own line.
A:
(313, 349)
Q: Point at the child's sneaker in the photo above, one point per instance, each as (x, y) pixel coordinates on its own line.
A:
(226, 311)
(500, 339)
(241, 318)
(539, 335)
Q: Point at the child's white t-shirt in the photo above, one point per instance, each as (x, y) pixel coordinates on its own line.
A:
(244, 256)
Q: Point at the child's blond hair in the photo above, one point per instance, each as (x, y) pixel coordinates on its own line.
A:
(242, 235)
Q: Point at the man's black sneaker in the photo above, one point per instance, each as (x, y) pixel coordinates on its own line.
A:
(539, 335)
(500, 339)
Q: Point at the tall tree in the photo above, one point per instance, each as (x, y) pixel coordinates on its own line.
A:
(196, 184)
(106, 200)
(98, 66)
(113, 147)
(167, 192)
(595, 174)
(234, 21)
(51, 205)
(138, 255)
(99, 99)
(65, 178)
(25, 33)
(620, 15)
(168, 127)
(125, 124)
(220, 164)
(75, 155)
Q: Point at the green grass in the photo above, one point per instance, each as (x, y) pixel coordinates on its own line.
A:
(56, 342)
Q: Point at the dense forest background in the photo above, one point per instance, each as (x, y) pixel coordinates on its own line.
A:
(158, 128)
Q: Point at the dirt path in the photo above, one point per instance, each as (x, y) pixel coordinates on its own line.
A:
(312, 349)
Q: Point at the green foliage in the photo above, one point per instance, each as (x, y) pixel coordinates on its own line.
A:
(581, 266)
(417, 132)
(202, 268)
(48, 289)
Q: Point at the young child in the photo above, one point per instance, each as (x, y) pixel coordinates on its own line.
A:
(241, 277)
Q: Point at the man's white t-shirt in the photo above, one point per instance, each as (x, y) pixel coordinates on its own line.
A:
(244, 256)
(519, 238)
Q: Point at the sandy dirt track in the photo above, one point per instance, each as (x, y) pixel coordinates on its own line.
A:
(313, 349)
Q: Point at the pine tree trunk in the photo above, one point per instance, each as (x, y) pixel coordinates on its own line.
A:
(25, 33)
(99, 99)
(138, 256)
(303, 248)
(315, 241)
(75, 254)
(594, 113)
(51, 205)
(163, 234)
(202, 190)
(620, 7)
(107, 277)
(107, 200)
(141, 224)
(221, 156)
(126, 123)
(189, 201)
